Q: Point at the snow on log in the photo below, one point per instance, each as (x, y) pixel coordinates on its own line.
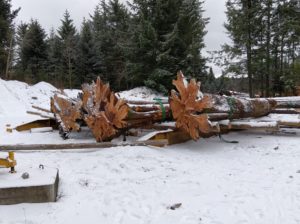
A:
(287, 102)
(41, 130)
(254, 125)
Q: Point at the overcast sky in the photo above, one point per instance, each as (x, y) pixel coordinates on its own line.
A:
(49, 13)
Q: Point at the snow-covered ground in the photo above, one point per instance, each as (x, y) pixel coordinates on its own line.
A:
(255, 181)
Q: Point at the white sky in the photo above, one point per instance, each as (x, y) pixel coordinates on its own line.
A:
(50, 12)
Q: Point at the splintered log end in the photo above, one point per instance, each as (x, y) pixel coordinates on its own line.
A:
(87, 100)
(106, 125)
(187, 105)
(101, 128)
(67, 112)
(95, 96)
(105, 113)
(194, 125)
(116, 110)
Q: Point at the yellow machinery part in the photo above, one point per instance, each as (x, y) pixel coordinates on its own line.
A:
(9, 162)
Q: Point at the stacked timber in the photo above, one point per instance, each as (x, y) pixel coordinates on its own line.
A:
(196, 114)
(103, 112)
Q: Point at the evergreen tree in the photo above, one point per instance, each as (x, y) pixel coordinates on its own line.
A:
(168, 36)
(242, 29)
(68, 36)
(20, 66)
(99, 31)
(54, 63)
(143, 45)
(110, 22)
(209, 85)
(265, 40)
(7, 16)
(34, 51)
(87, 60)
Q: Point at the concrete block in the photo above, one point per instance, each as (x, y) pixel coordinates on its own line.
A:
(40, 187)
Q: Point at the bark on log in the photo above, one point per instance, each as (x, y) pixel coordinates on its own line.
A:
(285, 111)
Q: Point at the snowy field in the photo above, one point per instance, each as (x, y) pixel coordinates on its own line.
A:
(255, 181)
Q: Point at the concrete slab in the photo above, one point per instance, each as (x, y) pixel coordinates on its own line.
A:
(41, 186)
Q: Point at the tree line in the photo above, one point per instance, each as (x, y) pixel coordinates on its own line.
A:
(143, 43)
(265, 44)
(146, 42)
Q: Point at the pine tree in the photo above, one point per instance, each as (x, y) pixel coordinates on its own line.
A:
(110, 22)
(265, 41)
(68, 36)
(87, 60)
(20, 66)
(143, 44)
(54, 62)
(98, 26)
(242, 28)
(168, 36)
(33, 51)
(209, 84)
(7, 15)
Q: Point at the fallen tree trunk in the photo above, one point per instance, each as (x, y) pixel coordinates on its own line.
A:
(191, 109)
(67, 113)
(106, 115)
(109, 116)
(287, 102)
(285, 111)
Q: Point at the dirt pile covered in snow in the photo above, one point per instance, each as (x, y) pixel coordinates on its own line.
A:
(18, 97)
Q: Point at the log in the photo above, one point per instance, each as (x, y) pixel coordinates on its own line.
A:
(187, 105)
(191, 109)
(41, 130)
(237, 108)
(287, 102)
(285, 111)
(70, 146)
(109, 116)
(41, 109)
(140, 102)
(67, 112)
(254, 125)
(39, 114)
(147, 108)
(289, 123)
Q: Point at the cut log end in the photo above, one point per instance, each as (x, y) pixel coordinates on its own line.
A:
(67, 112)
(104, 113)
(187, 105)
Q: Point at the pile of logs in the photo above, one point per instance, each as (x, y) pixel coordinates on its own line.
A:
(108, 116)
(104, 113)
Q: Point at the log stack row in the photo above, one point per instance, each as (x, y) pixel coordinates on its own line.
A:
(109, 116)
